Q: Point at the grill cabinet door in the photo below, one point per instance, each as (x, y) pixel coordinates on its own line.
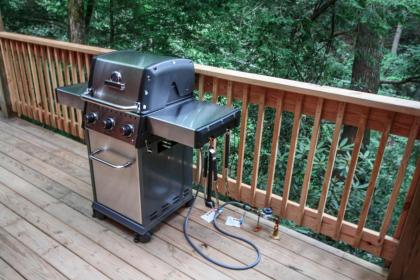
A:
(116, 188)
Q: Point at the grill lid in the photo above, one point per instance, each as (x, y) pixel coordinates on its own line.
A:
(126, 77)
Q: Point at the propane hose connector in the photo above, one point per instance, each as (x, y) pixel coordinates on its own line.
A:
(218, 212)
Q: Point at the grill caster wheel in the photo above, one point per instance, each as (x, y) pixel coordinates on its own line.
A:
(142, 238)
(189, 203)
(98, 215)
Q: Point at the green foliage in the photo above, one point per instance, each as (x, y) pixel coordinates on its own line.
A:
(278, 38)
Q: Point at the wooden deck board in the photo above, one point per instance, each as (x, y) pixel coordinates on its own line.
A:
(48, 174)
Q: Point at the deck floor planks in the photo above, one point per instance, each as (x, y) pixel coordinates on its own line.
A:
(7, 177)
(123, 247)
(103, 260)
(273, 256)
(48, 249)
(25, 261)
(336, 260)
(294, 241)
(8, 273)
(72, 198)
(47, 157)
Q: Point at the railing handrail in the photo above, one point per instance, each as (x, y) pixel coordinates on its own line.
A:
(53, 43)
(390, 103)
(333, 93)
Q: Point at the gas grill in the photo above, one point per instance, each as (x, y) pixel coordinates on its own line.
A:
(141, 124)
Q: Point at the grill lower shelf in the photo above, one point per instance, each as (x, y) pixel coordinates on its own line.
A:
(192, 122)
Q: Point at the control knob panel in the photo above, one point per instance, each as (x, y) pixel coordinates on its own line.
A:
(109, 123)
(127, 130)
(91, 117)
(120, 125)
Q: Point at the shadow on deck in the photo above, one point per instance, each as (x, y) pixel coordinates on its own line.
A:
(46, 228)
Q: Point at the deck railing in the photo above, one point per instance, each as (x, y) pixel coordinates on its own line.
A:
(35, 66)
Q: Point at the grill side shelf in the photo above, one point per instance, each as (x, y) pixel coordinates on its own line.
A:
(71, 95)
(192, 122)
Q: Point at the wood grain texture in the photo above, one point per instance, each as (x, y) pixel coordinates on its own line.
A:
(274, 149)
(408, 200)
(310, 160)
(242, 141)
(257, 147)
(330, 165)
(407, 259)
(358, 140)
(372, 183)
(291, 157)
(398, 181)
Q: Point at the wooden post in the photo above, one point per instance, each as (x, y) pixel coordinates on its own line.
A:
(407, 258)
(5, 105)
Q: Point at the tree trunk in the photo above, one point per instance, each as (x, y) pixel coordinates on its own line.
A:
(396, 40)
(111, 23)
(76, 21)
(366, 70)
(88, 16)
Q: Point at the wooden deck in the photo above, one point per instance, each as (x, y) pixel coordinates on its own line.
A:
(47, 232)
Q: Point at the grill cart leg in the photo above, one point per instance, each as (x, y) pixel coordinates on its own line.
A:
(142, 238)
(98, 215)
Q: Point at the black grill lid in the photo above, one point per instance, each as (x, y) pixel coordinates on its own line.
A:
(127, 77)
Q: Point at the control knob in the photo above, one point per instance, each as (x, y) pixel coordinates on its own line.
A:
(127, 130)
(91, 117)
(109, 123)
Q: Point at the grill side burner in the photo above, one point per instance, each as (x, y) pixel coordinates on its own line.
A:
(141, 123)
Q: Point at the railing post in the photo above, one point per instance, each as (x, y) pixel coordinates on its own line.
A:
(5, 105)
(407, 258)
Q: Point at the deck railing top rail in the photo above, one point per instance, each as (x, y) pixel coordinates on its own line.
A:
(344, 95)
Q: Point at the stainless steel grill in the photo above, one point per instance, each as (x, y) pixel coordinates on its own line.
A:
(141, 123)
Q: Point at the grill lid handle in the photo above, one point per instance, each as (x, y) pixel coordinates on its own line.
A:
(130, 108)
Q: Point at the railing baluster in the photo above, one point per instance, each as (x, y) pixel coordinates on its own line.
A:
(350, 174)
(330, 165)
(242, 140)
(408, 200)
(399, 179)
(87, 64)
(53, 115)
(59, 68)
(65, 55)
(59, 119)
(80, 68)
(201, 87)
(17, 96)
(7, 65)
(75, 80)
(310, 160)
(41, 77)
(372, 182)
(229, 96)
(291, 157)
(274, 149)
(23, 74)
(215, 91)
(257, 147)
(229, 93)
(38, 100)
(31, 92)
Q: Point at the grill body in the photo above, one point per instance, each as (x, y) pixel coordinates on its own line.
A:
(141, 125)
